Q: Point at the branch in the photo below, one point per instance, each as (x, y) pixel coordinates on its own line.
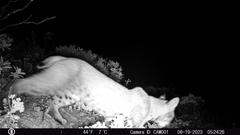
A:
(3, 8)
(26, 21)
(14, 11)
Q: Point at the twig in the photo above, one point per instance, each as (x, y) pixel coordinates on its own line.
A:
(28, 22)
(14, 11)
(3, 8)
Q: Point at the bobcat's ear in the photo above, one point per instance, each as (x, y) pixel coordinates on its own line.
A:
(173, 103)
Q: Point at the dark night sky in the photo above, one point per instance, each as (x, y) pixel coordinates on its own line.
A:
(188, 51)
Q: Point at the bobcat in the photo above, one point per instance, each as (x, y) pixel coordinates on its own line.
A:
(72, 80)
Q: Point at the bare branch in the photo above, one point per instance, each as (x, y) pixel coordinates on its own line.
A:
(26, 21)
(4, 7)
(40, 22)
(5, 16)
(14, 11)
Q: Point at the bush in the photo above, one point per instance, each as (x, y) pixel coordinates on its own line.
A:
(108, 67)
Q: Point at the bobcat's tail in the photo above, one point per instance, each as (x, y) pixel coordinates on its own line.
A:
(55, 77)
(50, 61)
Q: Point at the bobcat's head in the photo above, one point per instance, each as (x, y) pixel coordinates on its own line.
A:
(162, 112)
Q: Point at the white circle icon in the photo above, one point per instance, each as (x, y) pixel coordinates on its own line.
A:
(11, 131)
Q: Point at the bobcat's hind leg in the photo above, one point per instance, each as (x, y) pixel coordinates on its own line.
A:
(54, 109)
(57, 115)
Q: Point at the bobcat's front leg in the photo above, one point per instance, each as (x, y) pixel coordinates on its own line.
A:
(140, 113)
